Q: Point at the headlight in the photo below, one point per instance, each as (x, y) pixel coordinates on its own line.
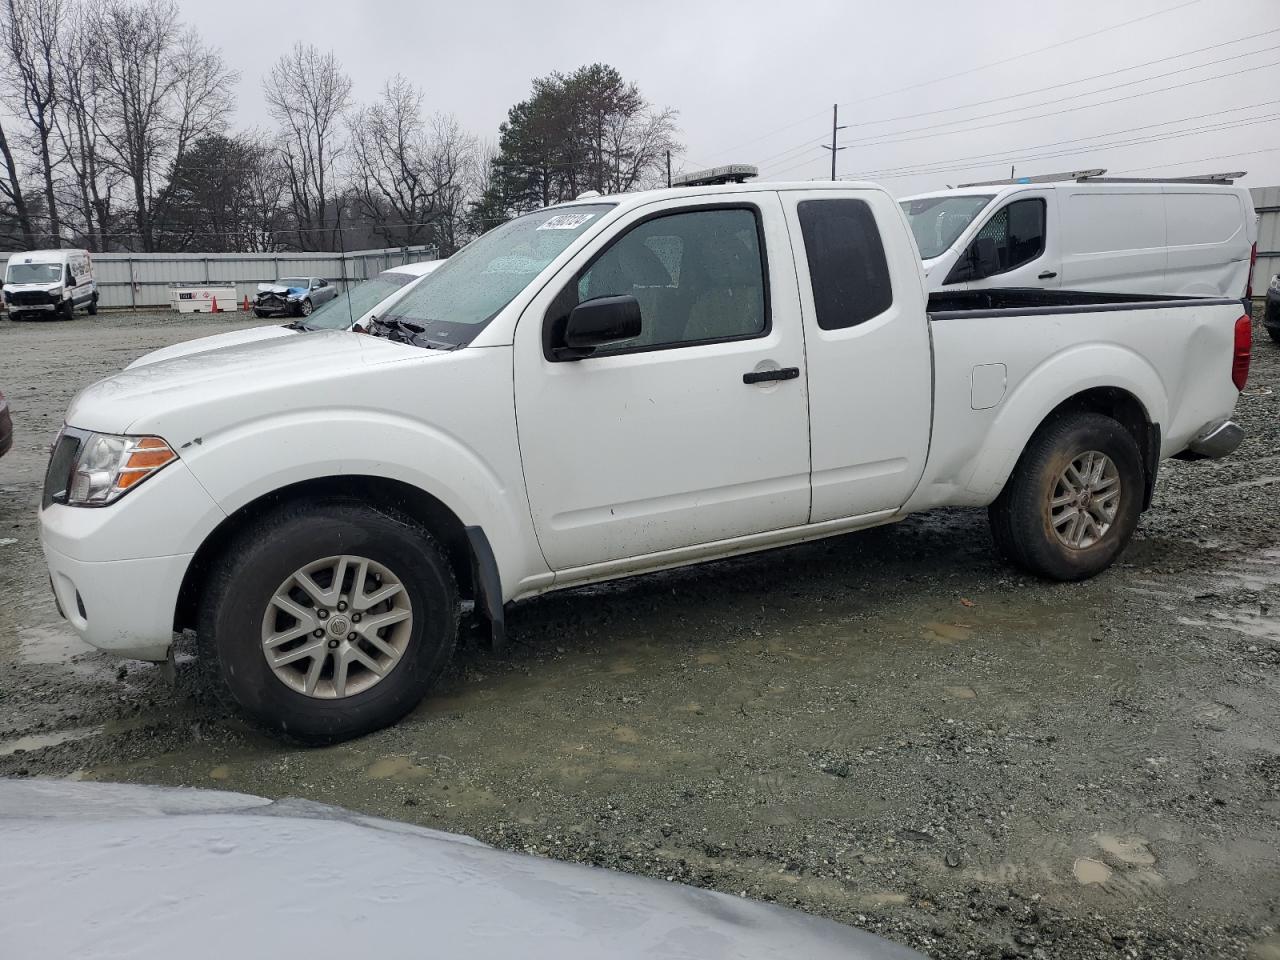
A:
(108, 467)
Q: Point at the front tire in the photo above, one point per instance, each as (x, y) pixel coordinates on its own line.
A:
(305, 308)
(67, 310)
(1074, 498)
(328, 621)
(1274, 332)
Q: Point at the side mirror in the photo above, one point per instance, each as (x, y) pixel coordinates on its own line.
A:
(595, 323)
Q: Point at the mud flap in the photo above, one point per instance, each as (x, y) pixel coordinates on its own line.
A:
(488, 587)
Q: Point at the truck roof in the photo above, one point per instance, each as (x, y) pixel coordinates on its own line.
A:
(19, 256)
(638, 197)
(1080, 186)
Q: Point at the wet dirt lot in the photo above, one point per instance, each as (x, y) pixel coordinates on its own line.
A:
(889, 728)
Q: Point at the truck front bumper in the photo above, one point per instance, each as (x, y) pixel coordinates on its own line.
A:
(1215, 439)
(117, 570)
(124, 607)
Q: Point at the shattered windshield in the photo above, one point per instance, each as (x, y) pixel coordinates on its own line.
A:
(451, 306)
(937, 221)
(33, 273)
(346, 308)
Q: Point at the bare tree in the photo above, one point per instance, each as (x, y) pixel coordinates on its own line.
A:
(12, 193)
(89, 179)
(453, 169)
(411, 176)
(307, 94)
(163, 89)
(32, 36)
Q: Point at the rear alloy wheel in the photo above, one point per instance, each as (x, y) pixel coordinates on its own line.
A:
(1073, 500)
(329, 620)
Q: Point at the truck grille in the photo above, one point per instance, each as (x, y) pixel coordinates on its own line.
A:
(58, 477)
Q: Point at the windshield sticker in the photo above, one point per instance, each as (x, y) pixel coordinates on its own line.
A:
(566, 221)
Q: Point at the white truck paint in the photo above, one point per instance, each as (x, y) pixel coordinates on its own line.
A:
(1173, 239)
(567, 464)
(367, 299)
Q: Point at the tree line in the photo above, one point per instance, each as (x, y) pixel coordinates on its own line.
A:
(114, 135)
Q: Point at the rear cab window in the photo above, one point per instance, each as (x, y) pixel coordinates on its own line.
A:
(847, 265)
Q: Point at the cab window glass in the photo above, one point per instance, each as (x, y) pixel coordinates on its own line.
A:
(698, 276)
(1015, 234)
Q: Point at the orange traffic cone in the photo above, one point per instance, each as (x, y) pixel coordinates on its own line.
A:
(245, 306)
(215, 305)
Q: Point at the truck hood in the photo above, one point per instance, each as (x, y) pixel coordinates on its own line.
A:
(216, 342)
(38, 287)
(136, 399)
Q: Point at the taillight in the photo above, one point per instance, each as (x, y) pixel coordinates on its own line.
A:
(1248, 284)
(1240, 356)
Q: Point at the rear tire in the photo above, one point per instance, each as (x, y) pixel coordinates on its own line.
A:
(239, 616)
(93, 306)
(1058, 516)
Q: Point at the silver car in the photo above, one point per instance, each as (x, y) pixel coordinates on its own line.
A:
(292, 296)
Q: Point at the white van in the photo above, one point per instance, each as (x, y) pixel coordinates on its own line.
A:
(1173, 238)
(50, 282)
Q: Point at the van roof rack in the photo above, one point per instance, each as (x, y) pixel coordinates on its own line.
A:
(1231, 177)
(1096, 176)
(1042, 178)
(732, 173)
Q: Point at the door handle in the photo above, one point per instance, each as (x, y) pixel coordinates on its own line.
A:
(1047, 275)
(763, 376)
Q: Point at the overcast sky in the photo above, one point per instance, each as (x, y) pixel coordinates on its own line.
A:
(965, 88)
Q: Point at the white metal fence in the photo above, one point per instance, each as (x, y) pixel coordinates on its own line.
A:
(1266, 201)
(144, 279)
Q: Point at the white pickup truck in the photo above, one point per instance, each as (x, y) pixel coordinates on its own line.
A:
(599, 389)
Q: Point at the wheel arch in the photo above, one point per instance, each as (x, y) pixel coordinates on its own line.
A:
(459, 541)
(1120, 405)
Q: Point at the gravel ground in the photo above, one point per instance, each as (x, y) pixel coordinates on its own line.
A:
(889, 728)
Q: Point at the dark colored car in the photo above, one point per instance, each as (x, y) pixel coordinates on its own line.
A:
(1271, 317)
(6, 426)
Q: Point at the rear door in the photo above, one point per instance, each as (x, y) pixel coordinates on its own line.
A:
(1207, 231)
(670, 440)
(868, 351)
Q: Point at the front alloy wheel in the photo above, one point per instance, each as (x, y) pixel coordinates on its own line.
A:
(325, 620)
(337, 627)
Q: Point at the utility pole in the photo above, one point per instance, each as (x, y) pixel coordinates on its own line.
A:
(1012, 168)
(668, 168)
(835, 127)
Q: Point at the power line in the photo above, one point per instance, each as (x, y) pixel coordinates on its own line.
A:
(1096, 76)
(1025, 54)
(951, 76)
(1010, 154)
(1088, 93)
(897, 173)
(1221, 156)
(1056, 113)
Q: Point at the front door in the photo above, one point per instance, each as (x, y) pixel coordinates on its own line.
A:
(658, 443)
